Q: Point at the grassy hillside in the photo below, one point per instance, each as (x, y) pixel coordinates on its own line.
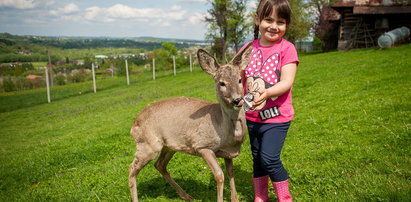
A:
(349, 140)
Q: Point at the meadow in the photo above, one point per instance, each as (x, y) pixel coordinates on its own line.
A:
(350, 139)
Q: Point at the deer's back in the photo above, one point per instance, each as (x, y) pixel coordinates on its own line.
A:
(181, 124)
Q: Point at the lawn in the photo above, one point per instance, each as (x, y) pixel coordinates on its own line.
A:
(350, 140)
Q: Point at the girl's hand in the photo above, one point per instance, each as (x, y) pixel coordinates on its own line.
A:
(260, 97)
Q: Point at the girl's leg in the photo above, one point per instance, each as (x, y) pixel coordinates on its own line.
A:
(272, 142)
(256, 139)
(260, 177)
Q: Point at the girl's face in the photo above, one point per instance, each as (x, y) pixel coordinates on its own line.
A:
(272, 29)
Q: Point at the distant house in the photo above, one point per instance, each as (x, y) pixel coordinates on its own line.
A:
(361, 22)
(142, 56)
(15, 64)
(77, 62)
(24, 52)
(101, 56)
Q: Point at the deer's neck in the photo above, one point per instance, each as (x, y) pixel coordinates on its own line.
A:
(234, 122)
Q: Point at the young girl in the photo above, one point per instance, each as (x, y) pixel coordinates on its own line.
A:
(268, 80)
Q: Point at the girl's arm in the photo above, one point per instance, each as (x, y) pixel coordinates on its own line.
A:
(288, 72)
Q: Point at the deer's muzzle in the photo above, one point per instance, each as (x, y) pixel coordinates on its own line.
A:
(238, 102)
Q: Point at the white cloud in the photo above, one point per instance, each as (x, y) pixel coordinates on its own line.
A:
(120, 11)
(94, 13)
(176, 7)
(19, 4)
(68, 9)
(196, 18)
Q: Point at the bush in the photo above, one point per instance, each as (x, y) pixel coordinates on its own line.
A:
(34, 83)
(162, 60)
(80, 75)
(8, 84)
(182, 62)
(318, 44)
(61, 79)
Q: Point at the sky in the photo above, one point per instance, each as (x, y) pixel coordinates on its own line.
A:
(180, 19)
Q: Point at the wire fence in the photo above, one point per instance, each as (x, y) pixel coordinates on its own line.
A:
(13, 100)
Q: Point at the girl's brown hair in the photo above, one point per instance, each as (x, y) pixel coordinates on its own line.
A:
(265, 8)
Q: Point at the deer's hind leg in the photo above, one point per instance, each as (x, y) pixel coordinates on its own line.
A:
(161, 166)
(144, 154)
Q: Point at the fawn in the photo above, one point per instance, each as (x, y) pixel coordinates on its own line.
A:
(195, 127)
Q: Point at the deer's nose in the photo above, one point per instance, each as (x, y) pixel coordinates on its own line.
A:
(236, 101)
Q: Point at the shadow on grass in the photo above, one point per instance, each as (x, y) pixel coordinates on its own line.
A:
(157, 188)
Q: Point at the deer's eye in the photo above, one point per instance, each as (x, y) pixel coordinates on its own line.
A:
(239, 81)
(221, 84)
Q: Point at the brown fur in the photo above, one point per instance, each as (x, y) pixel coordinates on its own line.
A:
(195, 127)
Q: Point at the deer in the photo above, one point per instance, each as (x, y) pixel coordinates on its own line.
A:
(195, 127)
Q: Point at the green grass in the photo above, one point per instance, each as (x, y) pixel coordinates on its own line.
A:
(349, 140)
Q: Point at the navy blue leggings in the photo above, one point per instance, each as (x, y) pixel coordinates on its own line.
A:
(266, 141)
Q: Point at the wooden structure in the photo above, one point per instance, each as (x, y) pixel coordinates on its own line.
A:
(363, 21)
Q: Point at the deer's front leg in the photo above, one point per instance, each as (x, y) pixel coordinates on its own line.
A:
(211, 159)
(229, 166)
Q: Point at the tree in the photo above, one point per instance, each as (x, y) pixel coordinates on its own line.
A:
(218, 25)
(300, 23)
(162, 59)
(120, 64)
(87, 62)
(238, 28)
(170, 47)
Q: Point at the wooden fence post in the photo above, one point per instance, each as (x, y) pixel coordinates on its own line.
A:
(154, 69)
(48, 85)
(191, 64)
(50, 69)
(94, 77)
(128, 79)
(174, 64)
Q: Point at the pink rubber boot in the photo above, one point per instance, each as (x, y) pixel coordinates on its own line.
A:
(282, 192)
(260, 189)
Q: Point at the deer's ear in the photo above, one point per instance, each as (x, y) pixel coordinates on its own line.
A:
(207, 62)
(242, 58)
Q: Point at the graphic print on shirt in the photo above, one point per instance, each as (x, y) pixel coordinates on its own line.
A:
(261, 75)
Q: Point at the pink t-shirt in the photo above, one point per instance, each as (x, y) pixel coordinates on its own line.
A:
(264, 70)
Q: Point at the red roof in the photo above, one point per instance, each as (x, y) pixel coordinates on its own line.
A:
(351, 3)
(32, 76)
(375, 6)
